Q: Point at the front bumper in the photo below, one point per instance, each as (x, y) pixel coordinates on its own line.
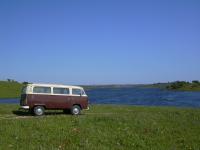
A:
(24, 107)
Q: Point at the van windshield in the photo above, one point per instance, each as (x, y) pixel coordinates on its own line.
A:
(24, 90)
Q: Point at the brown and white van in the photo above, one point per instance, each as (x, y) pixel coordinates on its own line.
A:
(38, 97)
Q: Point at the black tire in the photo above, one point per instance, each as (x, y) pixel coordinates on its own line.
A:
(39, 110)
(66, 111)
(31, 111)
(76, 110)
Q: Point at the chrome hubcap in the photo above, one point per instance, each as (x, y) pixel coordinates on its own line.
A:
(76, 111)
(39, 111)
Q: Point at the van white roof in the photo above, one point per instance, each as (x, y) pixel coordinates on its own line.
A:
(54, 85)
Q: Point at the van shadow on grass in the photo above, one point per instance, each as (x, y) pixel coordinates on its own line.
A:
(22, 113)
(48, 113)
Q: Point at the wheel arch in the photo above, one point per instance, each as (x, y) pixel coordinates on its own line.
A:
(35, 105)
(77, 105)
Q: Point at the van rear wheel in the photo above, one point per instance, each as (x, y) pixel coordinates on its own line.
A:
(39, 110)
(76, 110)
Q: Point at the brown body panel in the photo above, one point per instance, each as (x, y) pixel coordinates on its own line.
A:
(54, 101)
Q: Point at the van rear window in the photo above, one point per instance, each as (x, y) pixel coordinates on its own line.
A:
(42, 90)
(60, 91)
(76, 92)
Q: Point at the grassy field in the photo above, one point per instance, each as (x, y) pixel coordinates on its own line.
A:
(102, 127)
(10, 89)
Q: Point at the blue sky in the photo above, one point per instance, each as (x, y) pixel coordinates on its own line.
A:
(100, 42)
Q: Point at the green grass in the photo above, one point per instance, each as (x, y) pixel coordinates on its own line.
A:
(189, 88)
(10, 89)
(102, 127)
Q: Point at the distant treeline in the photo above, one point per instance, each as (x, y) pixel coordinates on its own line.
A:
(14, 81)
(183, 85)
(177, 85)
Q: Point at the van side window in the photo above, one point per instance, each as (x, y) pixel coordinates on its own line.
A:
(60, 91)
(76, 92)
(42, 90)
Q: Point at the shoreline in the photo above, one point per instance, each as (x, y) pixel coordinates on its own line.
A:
(117, 105)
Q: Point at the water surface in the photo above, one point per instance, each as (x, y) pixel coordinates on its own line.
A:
(137, 96)
(144, 96)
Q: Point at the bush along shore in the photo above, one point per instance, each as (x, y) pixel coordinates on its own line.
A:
(184, 86)
(102, 127)
(177, 85)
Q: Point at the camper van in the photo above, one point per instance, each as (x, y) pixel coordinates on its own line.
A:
(38, 97)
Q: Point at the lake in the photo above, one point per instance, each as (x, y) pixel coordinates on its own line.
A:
(138, 96)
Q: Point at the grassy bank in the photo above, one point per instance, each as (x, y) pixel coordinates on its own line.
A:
(177, 86)
(102, 127)
(10, 89)
(184, 86)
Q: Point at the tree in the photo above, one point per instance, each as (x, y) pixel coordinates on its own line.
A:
(25, 83)
(195, 82)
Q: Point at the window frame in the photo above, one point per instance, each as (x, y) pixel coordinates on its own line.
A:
(81, 90)
(60, 88)
(42, 87)
(24, 90)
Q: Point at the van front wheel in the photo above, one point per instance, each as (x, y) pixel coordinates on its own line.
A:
(38, 110)
(76, 110)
